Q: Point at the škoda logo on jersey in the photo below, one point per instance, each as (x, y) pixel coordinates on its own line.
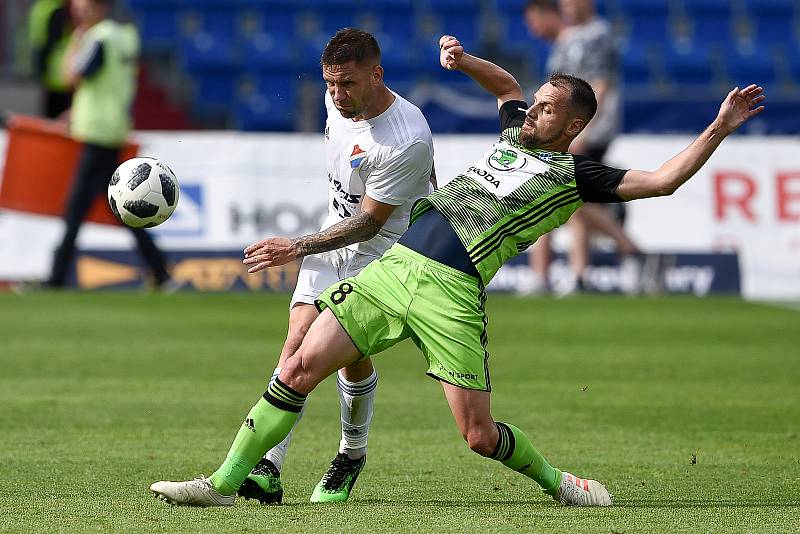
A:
(357, 157)
(505, 160)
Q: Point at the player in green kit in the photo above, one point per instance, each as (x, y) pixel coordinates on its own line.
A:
(430, 285)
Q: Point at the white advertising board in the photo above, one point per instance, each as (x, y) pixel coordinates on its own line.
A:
(237, 188)
(746, 199)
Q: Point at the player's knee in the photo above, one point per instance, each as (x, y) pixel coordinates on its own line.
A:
(294, 337)
(296, 376)
(481, 440)
(298, 329)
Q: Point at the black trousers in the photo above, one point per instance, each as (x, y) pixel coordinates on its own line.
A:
(95, 167)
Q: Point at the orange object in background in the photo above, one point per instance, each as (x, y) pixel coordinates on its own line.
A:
(40, 162)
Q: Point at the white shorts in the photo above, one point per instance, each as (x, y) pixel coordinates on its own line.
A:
(320, 271)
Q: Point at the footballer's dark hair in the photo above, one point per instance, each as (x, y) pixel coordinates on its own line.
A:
(581, 94)
(351, 44)
(544, 5)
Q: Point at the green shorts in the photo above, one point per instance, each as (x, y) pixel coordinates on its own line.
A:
(404, 294)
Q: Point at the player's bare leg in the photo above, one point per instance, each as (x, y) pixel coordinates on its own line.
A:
(509, 445)
(325, 349)
(600, 219)
(578, 254)
(540, 256)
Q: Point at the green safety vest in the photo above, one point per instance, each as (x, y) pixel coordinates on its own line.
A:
(101, 107)
(53, 77)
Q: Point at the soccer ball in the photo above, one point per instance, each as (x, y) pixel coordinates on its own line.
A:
(143, 192)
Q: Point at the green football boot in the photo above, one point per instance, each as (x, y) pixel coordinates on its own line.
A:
(338, 481)
(263, 484)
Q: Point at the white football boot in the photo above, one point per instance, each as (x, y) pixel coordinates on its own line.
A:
(576, 491)
(197, 492)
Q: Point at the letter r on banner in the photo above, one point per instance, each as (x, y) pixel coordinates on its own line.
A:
(734, 190)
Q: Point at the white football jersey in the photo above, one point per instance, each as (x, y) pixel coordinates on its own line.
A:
(388, 158)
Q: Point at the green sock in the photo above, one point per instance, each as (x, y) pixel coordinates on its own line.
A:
(266, 425)
(515, 451)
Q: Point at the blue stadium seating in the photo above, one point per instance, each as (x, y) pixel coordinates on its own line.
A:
(669, 45)
(333, 20)
(271, 106)
(221, 22)
(515, 34)
(644, 7)
(214, 92)
(773, 20)
(746, 65)
(158, 27)
(463, 22)
(710, 20)
(793, 64)
(648, 21)
(688, 66)
(206, 51)
(636, 68)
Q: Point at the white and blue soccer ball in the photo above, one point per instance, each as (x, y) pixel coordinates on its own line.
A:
(143, 192)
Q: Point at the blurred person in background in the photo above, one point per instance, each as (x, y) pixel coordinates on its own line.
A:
(49, 31)
(101, 63)
(583, 46)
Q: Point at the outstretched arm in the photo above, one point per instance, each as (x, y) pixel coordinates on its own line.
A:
(490, 76)
(738, 107)
(275, 251)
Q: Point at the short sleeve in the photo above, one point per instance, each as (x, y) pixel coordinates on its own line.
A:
(512, 114)
(401, 176)
(597, 182)
(602, 59)
(89, 58)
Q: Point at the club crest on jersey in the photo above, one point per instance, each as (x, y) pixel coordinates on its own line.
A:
(503, 159)
(357, 157)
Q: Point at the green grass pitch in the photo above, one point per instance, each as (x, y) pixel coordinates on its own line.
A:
(689, 410)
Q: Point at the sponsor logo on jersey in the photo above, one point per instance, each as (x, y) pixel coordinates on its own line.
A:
(504, 159)
(356, 157)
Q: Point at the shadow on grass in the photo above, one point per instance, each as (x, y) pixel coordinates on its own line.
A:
(642, 503)
(449, 503)
(704, 503)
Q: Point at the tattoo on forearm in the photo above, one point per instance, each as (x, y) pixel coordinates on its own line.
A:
(346, 232)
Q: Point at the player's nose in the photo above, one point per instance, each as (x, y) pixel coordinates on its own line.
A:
(338, 94)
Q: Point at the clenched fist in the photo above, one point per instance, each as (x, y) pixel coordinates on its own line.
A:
(450, 52)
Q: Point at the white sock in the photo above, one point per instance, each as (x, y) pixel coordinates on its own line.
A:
(356, 400)
(277, 453)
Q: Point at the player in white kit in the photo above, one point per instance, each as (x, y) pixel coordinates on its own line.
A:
(379, 159)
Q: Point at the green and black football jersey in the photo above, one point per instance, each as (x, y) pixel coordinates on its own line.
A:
(512, 195)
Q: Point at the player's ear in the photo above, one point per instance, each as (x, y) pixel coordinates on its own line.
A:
(377, 75)
(576, 126)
